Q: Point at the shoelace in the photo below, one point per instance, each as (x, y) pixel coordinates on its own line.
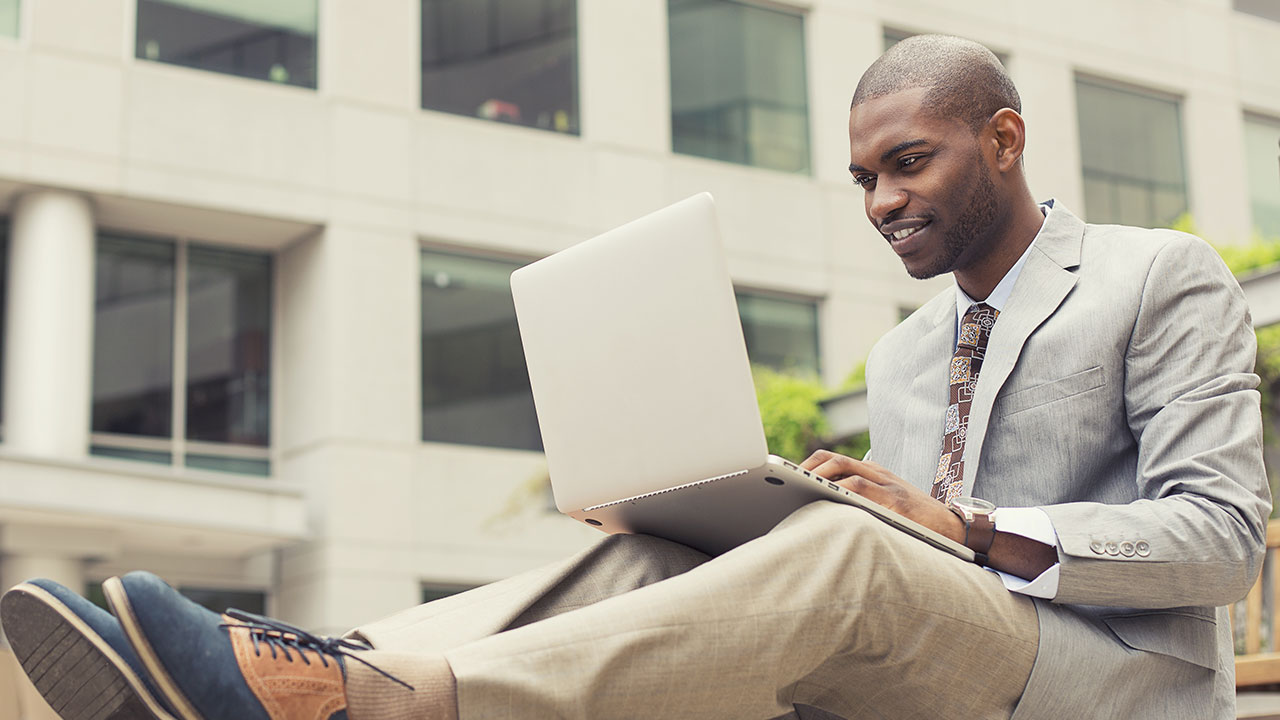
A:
(283, 637)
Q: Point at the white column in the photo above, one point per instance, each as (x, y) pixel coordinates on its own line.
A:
(49, 330)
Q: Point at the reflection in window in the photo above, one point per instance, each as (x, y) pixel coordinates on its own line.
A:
(1269, 9)
(475, 386)
(9, 18)
(781, 333)
(228, 343)
(1262, 157)
(273, 41)
(133, 338)
(1131, 154)
(738, 89)
(223, 415)
(508, 60)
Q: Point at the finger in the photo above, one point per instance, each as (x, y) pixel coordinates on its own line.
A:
(835, 467)
(817, 458)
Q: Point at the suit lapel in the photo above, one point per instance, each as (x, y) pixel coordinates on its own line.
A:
(1043, 284)
(924, 418)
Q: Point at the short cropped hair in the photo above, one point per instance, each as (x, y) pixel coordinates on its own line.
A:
(966, 80)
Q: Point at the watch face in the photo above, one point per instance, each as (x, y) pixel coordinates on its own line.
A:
(974, 505)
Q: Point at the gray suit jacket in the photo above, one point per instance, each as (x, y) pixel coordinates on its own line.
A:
(1117, 394)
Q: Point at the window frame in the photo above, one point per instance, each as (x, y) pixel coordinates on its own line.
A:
(482, 254)
(1271, 120)
(800, 12)
(177, 445)
(316, 87)
(1086, 77)
(819, 311)
(575, 76)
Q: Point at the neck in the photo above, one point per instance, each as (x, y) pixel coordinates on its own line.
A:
(981, 277)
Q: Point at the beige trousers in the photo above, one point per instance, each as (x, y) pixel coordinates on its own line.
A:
(833, 613)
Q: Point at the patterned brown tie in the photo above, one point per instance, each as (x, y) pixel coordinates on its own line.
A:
(971, 348)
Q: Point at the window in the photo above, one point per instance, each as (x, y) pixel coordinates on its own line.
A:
(1262, 157)
(9, 18)
(437, 591)
(512, 61)
(781, 333)
(893, 36)
(1268, 9)
(738, 89)
(273, 41)
(475, 386)
(176, 315)
(211, 599)
(1131, 155)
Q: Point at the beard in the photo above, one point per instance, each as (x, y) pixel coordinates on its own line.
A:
(970, 230)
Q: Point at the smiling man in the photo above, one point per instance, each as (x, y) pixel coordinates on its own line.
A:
(1091, 384)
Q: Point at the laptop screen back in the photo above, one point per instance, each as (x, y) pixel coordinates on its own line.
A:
(637, 361)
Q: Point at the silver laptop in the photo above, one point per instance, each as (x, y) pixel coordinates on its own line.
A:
(644, 393)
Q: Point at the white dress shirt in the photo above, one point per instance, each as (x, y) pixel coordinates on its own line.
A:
(1028, 522)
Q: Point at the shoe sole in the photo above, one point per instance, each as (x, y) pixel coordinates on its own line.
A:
(73, 668)
(118, 600)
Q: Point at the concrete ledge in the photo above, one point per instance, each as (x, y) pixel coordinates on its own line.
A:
(1262, 290)
(138, 506)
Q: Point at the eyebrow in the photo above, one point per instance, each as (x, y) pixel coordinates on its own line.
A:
(887, 155)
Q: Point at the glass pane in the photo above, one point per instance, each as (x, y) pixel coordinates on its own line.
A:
(273, 41)
(475, 387)
(512, 61)
(219, 601)
(161, 458)
(780, 333)
(228, 346)
(431, 591)
(133, 337)
(1262, 157)
(738, 87)
(9, 18)
(240, 466)
(1130, 143)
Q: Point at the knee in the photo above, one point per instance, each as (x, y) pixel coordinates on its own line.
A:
(652, 557)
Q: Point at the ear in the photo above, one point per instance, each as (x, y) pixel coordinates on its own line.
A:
(1007, 134)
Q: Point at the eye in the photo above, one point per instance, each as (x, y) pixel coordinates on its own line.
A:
(864, 180)
(909, 160)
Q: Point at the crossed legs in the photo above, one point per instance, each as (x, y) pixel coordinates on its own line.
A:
(832, 609)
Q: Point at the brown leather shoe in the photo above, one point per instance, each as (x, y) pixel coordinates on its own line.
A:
(290, 680)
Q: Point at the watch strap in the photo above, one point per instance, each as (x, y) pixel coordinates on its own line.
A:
(979, 533)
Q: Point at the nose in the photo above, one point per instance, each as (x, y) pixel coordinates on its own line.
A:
(883, 202)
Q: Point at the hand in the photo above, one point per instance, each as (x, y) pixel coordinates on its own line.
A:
(881, 486)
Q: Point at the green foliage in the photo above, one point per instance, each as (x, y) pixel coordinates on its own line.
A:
(794, 423)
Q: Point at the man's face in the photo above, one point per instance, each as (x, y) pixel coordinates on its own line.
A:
(928, 188)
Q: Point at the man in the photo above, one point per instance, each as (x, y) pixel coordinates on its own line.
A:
(1093, 382)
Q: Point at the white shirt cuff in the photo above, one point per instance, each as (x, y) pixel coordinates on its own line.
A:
(1032, 523)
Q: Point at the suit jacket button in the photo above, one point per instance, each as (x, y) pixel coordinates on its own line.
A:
(1127, 549)
(1142, 548)
(1096, 546)
(1113, 548)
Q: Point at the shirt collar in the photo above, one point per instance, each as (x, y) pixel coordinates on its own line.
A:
(1000, 294)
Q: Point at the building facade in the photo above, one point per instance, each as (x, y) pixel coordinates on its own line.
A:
(253, 255)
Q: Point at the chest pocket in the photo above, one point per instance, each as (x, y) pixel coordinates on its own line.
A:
(1061, 389)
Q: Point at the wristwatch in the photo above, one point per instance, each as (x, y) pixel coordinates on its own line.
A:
(979, 528)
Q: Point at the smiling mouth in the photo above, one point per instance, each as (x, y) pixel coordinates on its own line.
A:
(900, 235)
